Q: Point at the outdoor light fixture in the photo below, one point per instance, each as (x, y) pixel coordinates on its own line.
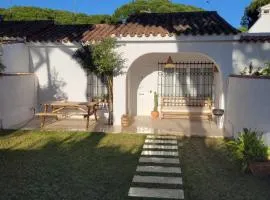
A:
(169, 63)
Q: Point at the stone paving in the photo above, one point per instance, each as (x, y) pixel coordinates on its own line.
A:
(141, 125)
(158, 174)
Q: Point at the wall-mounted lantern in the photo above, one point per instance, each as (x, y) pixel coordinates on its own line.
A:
(169, 63)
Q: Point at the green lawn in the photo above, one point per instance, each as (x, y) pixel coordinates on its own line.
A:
(210, 173)
(78, 165)
(49, 165)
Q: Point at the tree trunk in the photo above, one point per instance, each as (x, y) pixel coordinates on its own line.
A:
(110, 100)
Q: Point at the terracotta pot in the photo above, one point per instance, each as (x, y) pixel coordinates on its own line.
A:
(125, 121)
(260, 168)
(154, 114)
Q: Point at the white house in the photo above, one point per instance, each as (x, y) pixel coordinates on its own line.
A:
(204, 49)
(262, 24)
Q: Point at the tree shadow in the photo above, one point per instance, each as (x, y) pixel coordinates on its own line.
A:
(68, 165)
(53, 90)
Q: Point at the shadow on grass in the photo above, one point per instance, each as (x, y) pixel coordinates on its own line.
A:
(46, 165)
(210, 172)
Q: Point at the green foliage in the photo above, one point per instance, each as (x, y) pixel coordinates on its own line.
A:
(248, 147)
(66, 17)
(155, 102)
(266, 70)
(107, 60)
(159, 6)
(258, 71)
(243, 29)
(102, 60)
(251, 12)
(61, 17)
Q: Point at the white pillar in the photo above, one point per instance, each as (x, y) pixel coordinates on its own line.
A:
(119, 98)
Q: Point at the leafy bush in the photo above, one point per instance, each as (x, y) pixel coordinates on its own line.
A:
(248, 147)
(256, 71)
(266, 70)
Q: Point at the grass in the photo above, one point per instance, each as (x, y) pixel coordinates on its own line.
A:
(209, 172)
(79, 165)
(50, 165)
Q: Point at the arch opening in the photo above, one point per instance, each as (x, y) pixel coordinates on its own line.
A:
(194, 75)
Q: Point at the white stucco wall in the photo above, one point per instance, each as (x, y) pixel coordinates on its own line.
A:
(248, 105)
(246, 53)
(60, 76)
(261, 25)
(133, 49)
(15, 57)
(18, 97)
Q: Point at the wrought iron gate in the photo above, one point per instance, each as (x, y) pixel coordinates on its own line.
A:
(190, 80)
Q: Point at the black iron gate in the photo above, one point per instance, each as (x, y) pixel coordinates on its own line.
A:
(192, 80)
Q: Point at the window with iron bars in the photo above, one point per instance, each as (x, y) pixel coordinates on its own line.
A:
(96, 87)
(188, 81)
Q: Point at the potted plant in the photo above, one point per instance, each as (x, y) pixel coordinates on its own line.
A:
(250, 150)
(125, 120)
(155, 113)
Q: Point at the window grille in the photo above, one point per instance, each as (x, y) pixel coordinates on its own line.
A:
(96, 86)
(193, 80)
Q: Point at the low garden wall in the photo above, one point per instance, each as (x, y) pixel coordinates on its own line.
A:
(18, 98)
(248, 105)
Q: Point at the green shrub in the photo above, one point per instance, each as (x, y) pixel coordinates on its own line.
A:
(266, 70)
(248, 147)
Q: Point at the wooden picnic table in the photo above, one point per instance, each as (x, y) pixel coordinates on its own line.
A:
(54, 108)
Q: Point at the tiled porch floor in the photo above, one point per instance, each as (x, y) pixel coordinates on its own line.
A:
(140, 125)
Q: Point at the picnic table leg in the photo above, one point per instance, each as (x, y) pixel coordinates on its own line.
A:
(43, 118)
(53, 108)
(95, 112)
(87, 117)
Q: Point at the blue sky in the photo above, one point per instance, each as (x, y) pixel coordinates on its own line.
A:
(231, 10)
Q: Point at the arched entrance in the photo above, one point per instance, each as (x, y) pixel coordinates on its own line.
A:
(192, 75)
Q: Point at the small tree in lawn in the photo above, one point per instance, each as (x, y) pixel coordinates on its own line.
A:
(102, 60)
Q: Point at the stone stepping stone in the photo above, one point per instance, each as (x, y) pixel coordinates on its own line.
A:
(160, 137)
(156, 146)
(159, 169)
(161, 141)
(156, 193)
(181, 144)
(159, 153)
(157, 179)
(159, 160)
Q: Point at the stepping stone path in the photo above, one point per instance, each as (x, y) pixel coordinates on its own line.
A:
(158, 174)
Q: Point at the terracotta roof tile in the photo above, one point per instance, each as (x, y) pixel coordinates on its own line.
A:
(144, 24)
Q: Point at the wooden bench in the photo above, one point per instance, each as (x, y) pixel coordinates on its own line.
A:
(186, 108)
